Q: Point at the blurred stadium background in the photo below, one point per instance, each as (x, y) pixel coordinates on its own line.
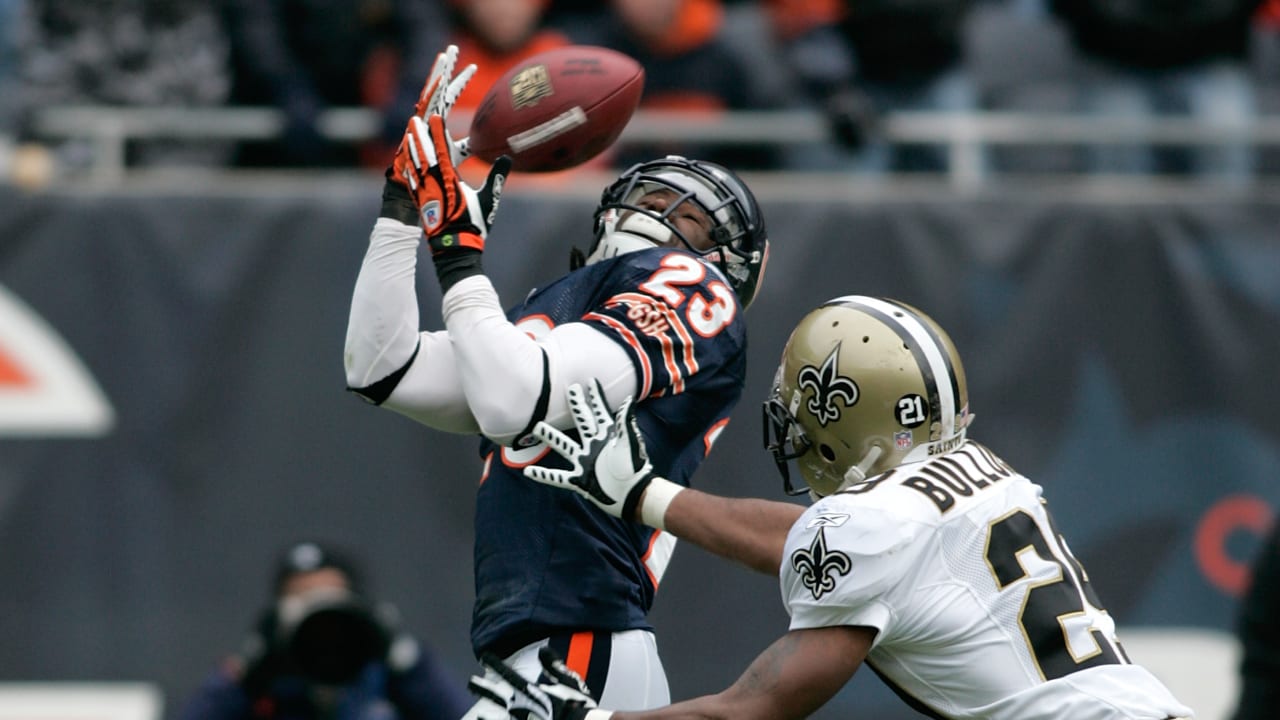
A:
(171, 324)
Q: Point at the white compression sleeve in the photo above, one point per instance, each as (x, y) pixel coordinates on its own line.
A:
(382, 334)
(501, 366)
(431, 391)
(382, 330)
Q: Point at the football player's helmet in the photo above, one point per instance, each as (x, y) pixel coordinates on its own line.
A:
(741, 245)
(865, 384)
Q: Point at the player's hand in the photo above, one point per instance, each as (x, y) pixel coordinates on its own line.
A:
(441, 92)
(611, 466)
(562, 697)
(438, 96)
(453, 214)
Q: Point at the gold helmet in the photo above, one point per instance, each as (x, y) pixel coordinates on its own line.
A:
(865, 384)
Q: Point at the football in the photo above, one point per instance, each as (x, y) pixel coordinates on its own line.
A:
(557, 109)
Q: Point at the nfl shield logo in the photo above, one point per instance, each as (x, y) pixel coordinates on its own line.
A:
(902, 439)
(431, 214)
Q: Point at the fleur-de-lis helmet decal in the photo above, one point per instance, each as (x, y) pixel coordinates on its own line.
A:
(827, 386)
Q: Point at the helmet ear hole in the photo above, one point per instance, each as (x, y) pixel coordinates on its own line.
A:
(827, 453)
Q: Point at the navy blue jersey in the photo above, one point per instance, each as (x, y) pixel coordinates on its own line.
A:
(548, 561)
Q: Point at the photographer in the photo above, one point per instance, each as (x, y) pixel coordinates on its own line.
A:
(323, 651)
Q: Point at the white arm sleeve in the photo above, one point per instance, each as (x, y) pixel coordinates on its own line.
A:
(430, 391)
(382, 335)
(501, 367)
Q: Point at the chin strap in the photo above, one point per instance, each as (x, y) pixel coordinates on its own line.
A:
(855, 474)
(636, 231)
(618, 243)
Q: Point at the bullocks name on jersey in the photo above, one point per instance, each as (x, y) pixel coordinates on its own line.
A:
(943, 478)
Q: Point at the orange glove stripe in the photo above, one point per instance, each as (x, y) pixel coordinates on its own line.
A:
(458, 240)
(455, 204)
(471, 240)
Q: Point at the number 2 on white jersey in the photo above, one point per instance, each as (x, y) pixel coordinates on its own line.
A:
(1058, 614)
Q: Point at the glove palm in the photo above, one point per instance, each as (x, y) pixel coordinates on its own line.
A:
(610, 465)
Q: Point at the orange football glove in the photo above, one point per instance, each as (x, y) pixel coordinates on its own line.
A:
(438, 96)
(453, 214)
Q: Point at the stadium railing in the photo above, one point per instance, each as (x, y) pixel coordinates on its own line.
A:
(964, 134)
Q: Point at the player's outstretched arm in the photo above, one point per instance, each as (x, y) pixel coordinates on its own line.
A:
(507, 379)
(455, 217)
(792, 678)
(749, 531)
(385, 355)
(609, 466)
(387, 361)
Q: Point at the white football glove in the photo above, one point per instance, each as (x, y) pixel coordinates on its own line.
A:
(562, 696)
(611, 466)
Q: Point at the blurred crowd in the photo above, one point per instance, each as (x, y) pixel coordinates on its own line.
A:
(855, 63)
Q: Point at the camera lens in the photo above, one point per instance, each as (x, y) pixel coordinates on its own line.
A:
(333, 644)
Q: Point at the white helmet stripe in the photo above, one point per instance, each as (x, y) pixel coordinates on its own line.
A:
(934, 354)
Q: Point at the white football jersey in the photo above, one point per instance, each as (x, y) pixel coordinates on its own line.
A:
(981, 608)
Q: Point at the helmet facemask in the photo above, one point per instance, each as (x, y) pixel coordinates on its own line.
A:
(784, 438)
(739, 246)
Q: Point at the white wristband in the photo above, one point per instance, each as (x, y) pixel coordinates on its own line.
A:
(653, 507)
(598, 714)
